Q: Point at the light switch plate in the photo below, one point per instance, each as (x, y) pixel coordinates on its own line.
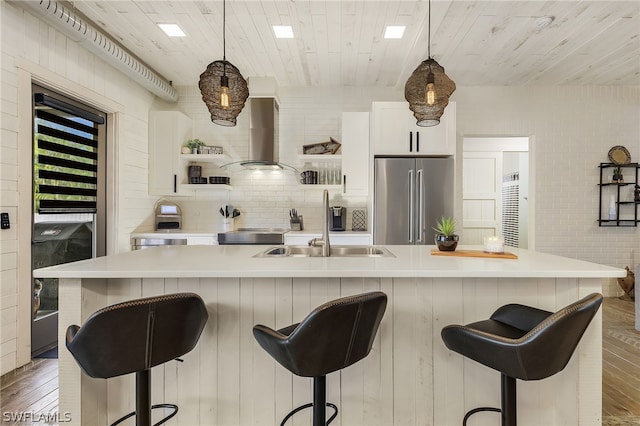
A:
(4, 221)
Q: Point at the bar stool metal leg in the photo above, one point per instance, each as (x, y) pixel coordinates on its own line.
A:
(143, 401)
(319, 400)
(319, 404)
(508, 385)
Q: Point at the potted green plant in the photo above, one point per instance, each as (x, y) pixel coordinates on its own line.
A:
(194, 144)
(446, 238)
(617, 174)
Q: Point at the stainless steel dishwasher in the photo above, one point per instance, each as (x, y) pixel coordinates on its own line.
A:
(139, 243)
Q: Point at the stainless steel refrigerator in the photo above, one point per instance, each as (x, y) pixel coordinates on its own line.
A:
(410, 195)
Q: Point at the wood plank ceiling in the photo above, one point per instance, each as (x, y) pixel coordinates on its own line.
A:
(340, 43)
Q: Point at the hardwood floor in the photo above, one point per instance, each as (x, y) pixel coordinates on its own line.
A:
(620, 363)
(30, 391)
(33, 389)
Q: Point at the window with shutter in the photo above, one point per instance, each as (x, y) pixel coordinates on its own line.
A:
(65, 156)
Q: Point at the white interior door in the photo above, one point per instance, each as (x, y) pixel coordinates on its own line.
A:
(481, 195)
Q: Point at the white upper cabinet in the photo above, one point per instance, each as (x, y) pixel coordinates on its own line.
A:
(355, 153)
(168, 131)
(395, 131)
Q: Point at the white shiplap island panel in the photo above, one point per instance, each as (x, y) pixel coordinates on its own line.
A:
(410, 378)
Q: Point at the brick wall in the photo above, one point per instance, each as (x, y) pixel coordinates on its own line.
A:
(571, 130)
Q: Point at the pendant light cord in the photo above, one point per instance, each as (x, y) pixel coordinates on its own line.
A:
(224, 37)
(429, 34)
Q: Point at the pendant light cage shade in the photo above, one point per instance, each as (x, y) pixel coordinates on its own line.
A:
(415, 93)
(210, 88)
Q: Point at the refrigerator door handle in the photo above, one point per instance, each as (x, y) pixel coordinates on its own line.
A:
(419, 176)
(411, 205)
(410, 141)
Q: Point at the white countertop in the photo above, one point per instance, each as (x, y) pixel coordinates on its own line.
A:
(238, 261)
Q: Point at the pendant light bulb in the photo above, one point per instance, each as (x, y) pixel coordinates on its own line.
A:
(430, 97)
(224, 92)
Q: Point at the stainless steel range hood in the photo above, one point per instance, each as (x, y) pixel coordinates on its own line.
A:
(263, 109)
(263, 133)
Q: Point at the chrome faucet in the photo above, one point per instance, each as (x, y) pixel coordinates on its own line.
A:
(324, 241)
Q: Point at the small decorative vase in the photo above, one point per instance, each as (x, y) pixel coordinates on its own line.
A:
(446, 243)
(627, 284)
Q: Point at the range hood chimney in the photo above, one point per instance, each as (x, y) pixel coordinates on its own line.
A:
(263, 125)
(263, 132)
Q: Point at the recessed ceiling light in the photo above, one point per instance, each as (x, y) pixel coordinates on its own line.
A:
(544, 21)
(172, 30)
(283, 31)
(394, 31)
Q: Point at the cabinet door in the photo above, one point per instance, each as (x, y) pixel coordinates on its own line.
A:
(396, 132)
(355, 153)
(436, 140)
(168, 130)
(390, 128)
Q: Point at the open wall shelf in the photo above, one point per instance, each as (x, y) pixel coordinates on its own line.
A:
(626, 207)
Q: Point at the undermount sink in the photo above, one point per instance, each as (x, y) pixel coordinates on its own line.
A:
(336, 251)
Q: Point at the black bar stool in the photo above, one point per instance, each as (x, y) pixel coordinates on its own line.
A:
(522, 343)
(332, 337)
(133, 337)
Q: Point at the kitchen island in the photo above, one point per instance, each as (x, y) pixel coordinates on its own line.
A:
(409, 378)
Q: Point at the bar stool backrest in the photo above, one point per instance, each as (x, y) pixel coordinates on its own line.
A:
(137, 335)
(547, 348)
(333, 336)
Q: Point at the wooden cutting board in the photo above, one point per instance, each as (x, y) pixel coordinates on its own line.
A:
(473, 253)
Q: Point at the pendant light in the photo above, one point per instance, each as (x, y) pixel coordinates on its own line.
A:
(428, 89)
(223, 88)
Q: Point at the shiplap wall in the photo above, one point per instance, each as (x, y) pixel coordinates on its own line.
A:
(410, 378)
(31, 46)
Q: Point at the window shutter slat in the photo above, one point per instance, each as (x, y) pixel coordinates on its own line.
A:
(64, 206)
(64, 149)
(52, 118)
(59, 134)
(61, 162)
(46, 174)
